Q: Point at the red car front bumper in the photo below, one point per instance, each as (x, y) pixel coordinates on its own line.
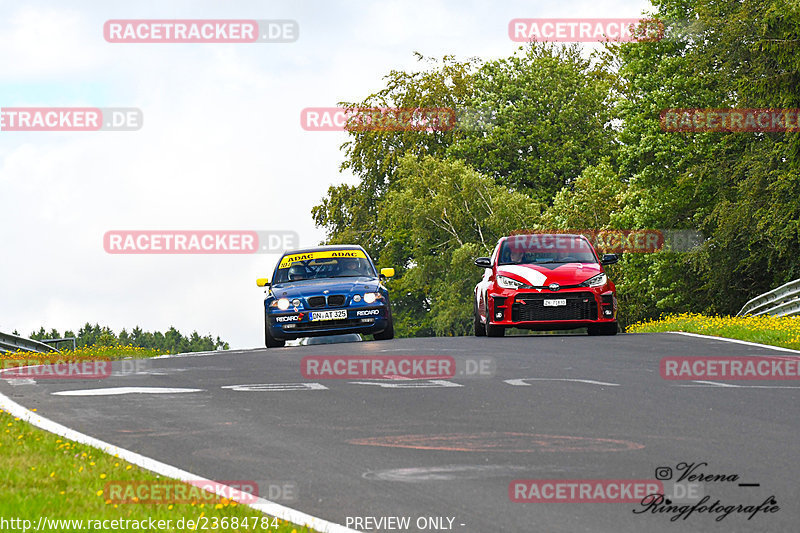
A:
(548, 310)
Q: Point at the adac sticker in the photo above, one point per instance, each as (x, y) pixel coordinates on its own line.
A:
(287, 260)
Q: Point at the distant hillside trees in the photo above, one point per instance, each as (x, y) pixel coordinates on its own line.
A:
(173, 341)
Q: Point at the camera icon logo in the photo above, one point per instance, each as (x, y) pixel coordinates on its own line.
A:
(663, 473)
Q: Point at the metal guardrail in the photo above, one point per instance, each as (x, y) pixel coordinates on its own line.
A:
(12, 343)
(783, 301)
(65, 339)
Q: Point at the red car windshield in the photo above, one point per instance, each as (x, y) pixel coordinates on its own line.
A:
(546, 248)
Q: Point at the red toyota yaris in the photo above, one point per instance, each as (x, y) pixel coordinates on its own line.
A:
(545, 282)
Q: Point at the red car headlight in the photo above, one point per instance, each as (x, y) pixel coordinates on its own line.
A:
(508, 283)
(596, 281)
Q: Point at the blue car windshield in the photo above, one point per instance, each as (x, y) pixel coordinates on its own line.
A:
(345, 267)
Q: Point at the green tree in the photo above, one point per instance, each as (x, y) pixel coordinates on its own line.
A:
(740, 189)
(437, 217)
(551, 114)
(589, 202)
(349, 212)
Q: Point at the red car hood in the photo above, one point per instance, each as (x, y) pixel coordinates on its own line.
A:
(541, 275)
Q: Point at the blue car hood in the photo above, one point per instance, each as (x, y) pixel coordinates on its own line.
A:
(297, 289)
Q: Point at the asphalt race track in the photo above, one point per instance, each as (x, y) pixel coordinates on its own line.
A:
(557, 407)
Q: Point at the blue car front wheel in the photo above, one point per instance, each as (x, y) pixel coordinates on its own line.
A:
(271, 341)
(388, 333)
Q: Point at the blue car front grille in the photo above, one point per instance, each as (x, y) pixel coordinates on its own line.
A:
(316, 301)
(334, 300)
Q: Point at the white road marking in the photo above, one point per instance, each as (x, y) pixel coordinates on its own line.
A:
(125, 373)
(521, 382)
(730, 385)
(715, 383)
(737, 341)
(409, 383)
(265, 506)
(123, 390)
(22, 381)
(194, 354)
(466, 350)
(276, 387)
(18, 381)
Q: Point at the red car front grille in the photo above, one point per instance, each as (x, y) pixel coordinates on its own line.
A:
(531, 308)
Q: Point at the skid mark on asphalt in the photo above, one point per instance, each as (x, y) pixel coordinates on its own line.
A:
(458, 472)
(506, 442)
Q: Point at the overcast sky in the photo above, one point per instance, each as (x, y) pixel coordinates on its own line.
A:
(221, 146)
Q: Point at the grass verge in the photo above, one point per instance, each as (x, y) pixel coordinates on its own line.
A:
(85, 353)
(772, 330)
(44, 475)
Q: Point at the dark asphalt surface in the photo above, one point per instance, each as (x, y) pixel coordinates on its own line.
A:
(363, 450)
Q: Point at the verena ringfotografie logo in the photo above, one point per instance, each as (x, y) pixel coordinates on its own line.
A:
(198, 241)
(730, 368)
(378, 367)
(201, 31)
(70, 119)
(54, 368)
(580, 30)
(692, 479)
(583, 490)
(426, 119)
(695, 119)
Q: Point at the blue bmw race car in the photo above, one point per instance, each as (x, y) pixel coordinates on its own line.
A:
(327, 290)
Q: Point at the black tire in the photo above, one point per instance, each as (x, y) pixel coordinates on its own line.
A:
(477, 325)
(388, 333)
(494, 331)
(603, 329)
(271, 341)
